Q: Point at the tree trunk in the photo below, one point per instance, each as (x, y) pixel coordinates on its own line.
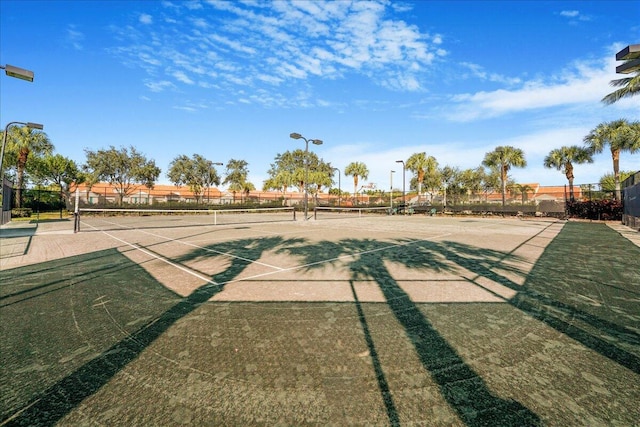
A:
(615, 154)
(355, 190)
(503, 177)
(569, 174)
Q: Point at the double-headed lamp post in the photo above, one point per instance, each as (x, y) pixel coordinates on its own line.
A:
(296, 135)
(404, 193)
(339, 186)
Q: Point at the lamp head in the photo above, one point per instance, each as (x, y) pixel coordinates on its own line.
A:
(295, 135)
(317, 141)
(18, 73)
(35, 126)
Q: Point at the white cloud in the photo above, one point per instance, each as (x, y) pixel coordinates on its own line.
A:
(74, 37)
(570, 13)
(159, 86)
(574, 16)
(285, 40)
(583, 82)
(146, 19)
(182, 77)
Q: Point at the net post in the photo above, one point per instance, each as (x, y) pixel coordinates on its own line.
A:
(76, 211)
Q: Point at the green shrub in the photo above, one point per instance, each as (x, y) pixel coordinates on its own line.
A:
(21, 212)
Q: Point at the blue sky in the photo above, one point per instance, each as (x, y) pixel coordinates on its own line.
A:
(377, 81)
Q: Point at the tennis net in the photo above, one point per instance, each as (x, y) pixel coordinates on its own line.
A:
(332, 212)
(161, 218)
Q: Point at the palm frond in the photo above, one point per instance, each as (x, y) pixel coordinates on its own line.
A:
(629, 86)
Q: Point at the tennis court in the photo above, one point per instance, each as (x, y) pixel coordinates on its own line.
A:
(260, 319)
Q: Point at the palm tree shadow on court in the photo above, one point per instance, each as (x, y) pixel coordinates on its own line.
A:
(51, 405)
(462, 388)
(549, 295)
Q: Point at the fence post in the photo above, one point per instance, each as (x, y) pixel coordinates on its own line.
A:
(76, 211)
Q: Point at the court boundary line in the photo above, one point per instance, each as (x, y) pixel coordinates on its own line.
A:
(170, 239)
(277, 270)
(160, 258)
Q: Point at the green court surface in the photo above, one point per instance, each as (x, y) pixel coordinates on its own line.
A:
(383, 320)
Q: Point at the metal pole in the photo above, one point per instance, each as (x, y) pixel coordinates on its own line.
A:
(391, 190)
(404, 193)
(76, 211)
(306, 178)
(296, 135)
(339, 189)
(339, 186)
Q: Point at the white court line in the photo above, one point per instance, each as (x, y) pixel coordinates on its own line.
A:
(158, 257)
(353, 255)
(278, 269)
(169, 239)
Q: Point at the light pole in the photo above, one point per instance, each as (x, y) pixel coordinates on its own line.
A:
(391, 189)
(404, 193)
(296, 135)
(339, 187)
(18, 73)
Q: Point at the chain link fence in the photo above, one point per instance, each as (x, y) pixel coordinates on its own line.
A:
(588, 201)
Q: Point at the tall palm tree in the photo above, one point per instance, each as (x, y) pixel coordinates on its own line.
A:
(357, 170)
(421, 164)
(563, 159)
(503, 158)
(23, 142)
(620, 135)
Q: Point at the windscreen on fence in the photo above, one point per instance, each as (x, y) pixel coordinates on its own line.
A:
(631, 201)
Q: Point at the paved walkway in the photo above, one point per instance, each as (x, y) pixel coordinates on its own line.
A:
(626, 232)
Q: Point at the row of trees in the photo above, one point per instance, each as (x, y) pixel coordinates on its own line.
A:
(29, 153)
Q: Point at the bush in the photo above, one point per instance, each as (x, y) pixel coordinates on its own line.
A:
(21, 212)
(606, 210)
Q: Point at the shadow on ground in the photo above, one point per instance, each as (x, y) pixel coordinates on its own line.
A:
(58, 350)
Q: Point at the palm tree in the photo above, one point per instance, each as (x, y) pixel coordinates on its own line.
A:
(503, 158)
(421, 165)
(563, 159)
(24, 141)
(236, 177)
(629, 86)
(522, 189)
(357, 170)
(620, 135)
